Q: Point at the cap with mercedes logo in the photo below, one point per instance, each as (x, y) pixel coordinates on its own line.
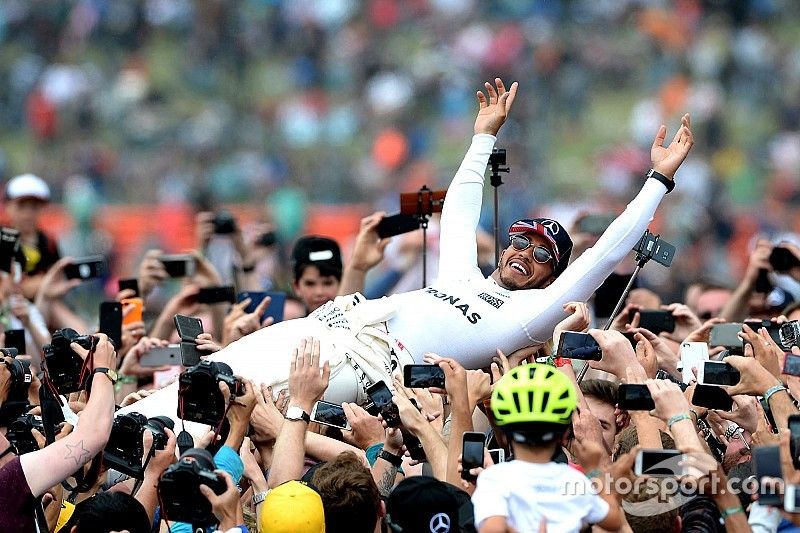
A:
(551, 230)
(422, 504)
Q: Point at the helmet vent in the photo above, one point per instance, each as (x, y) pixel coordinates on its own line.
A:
(545, 399)
(564, 395)
(515, 395)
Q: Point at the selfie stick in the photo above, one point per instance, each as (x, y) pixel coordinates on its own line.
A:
(646, 249)
(422, 217)
(497, 161)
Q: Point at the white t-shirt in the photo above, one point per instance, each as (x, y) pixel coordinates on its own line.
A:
(525, 492)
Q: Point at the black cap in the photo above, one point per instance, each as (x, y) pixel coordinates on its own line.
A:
(320, 252)
(551, 230)
(422, 504)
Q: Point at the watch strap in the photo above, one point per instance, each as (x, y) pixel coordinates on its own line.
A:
(303, 415)
(259, 497)
(112, 375)
(658, 176)
(394, 460)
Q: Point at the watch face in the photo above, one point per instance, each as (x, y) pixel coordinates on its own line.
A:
(294, 413)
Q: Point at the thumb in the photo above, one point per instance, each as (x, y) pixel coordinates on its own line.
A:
(207, 492)
(267, 322)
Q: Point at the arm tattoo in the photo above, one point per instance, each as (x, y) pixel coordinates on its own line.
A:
(386, 484)
(78, 453)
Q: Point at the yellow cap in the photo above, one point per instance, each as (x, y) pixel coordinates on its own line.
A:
(292, 507)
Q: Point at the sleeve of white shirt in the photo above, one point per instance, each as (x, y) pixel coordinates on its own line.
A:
(763, 518)
(458, 249)
(597, 509)
(489, 498)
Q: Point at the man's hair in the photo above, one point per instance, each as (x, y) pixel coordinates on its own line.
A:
(350, 497)
(601, 390)
(112, 511)
(629, 438)
(648, 509)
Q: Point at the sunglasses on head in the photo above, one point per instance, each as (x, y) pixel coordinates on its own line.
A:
(540, 253)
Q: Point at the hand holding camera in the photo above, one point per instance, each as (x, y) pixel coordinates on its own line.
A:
(369, 246)
(412, 418)
(668, 397)
(241, 407)
(307, 379)
(164, 454)
(618, 354)
(104, 354)
(755, 380)
(365, 429)
(55, 285)
(225, 506)
(151, 272)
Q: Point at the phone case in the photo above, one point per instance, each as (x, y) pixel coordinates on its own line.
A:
(162, 356)
(133, 310)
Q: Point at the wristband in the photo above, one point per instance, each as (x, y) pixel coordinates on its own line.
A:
(677, 418)
(725, 513)
(772, 390)
(8, 450)
(658, 176)
(595, 473)
(126, 380)
(394, 460)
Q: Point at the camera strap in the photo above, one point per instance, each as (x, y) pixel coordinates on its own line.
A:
(85, 376)
(138, 484)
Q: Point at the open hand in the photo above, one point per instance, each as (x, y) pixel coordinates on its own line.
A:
(666, 160)
(494, 110)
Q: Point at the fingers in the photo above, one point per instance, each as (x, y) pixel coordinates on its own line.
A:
(511, 95)
(493, 98)
(660, 136)
(481, 99)
(262, 306)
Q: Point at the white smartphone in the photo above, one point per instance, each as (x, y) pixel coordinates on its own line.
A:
(330, 414)
(692, 355)
(717, 373)
(498, 455)
(791, 498)
(169, 355)
(659, 463)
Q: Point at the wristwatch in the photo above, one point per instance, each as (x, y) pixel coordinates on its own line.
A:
(394, 460)
(112, 374)
(259, 497)
(296, 413)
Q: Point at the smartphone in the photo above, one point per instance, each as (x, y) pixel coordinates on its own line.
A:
(274, 309)
(111, 322)
(692, 354)
(659, 463)
(396, 225)
(711, 397)
(595, 225)
(216, 295)
(135, 310)
(782, 259)
(727, 335)
(15, 338)
(413, 445)
(654, 320)
(472, 453)
(791, 499)
(381, 396)
(178, 266)
(576, 345)
(768, 414)
(190, 355)
(717, 373)
(635, 397)
(767, 463)
(794, 439)
(773, 328)
(189, 327)
(631, 338)
(86, 268)
(423, 376)
(131, 284)
(791, 365)
(169, 355)
(330, 414)
(498, 455)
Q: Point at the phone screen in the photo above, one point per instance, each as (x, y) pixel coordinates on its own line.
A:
(15, 338)
(718, 373)
(635, 397)
(472, 453)
(381, 396)
(727, 335)
(711, 397)
(188, 327)
(130, 283)
(791, 364)
(582, 346)
(111, 322)
(330, 414)
(423, 376)
(659, 463)
(773, 328)
(767, 462)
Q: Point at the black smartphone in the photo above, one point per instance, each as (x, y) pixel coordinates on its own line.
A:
(711, 397)
(576, 345)
(274, 309)
(595, 225)
(472, 453)
(111, 322)
(15, 338)
(631, 338)
(129, 283)
(794, 439)
(727, 335)
(767, 463)
(654, 320)
(189, 327)
(178, 266)
(635, 397)
(782, 259)
(768, 414)
(717, 373)
(215, 295)
(423, 376)
(413, 445)
(396, 225)
(330, 414)
(86, 268)
(190, 355)
(791, 365)
(381, 396)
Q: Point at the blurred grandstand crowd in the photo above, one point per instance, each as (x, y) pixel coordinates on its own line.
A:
(288, 104)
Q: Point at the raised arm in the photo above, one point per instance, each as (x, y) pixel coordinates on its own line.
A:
(458, 251)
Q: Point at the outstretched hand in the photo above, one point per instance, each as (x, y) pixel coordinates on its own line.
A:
(494, 111)
(666, 160)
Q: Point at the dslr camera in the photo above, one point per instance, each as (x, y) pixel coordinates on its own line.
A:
(64, 365)
(16, 403)
(19, 433)
(124, 449)
(179, 488)
(199, 397)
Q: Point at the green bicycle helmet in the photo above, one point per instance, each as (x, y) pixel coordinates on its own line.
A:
(531, 395)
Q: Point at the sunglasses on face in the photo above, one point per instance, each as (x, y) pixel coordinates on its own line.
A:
(540, 254)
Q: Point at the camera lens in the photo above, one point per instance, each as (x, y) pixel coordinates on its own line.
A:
(202, 457)
(223, 368)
